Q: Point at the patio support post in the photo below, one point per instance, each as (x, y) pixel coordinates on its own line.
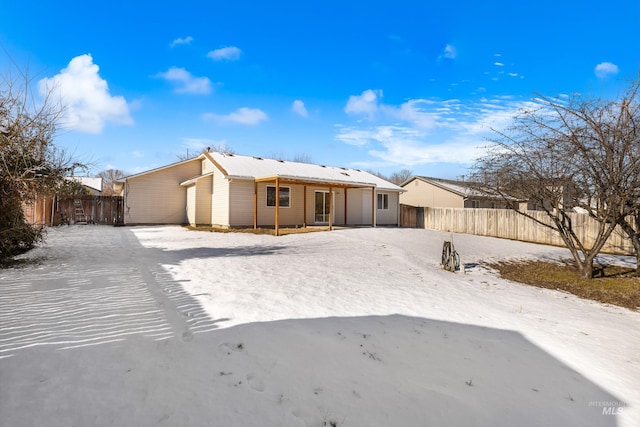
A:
(373, 206)
(255, 205)
(330, 208)
(345, 205)
(277, 206)
(304, 209)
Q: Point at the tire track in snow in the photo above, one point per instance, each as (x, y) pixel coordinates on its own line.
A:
(71, 309)
(90, 286)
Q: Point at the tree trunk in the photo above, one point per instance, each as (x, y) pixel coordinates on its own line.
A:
(584, 265)
(586, 269)
(634, 236)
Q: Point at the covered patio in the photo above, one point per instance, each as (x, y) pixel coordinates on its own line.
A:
(278, 181)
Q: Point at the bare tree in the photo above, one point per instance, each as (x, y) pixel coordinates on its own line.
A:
(396, 177)
(109, 177)
(218, 148)
(30, 163)
(376, 173)
(561, 155)
(628, 186)
(302, 158)
(401, 176)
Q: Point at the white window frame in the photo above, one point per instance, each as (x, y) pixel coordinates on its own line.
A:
(288, 190)
(382, 197)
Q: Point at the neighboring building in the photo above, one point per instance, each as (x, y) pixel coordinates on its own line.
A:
(53, 209)
(422, 191)
(230, 190)
(90, 185)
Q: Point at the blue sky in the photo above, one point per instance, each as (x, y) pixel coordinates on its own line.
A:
(372, 85)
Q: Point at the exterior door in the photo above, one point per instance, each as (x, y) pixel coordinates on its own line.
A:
(322, 207)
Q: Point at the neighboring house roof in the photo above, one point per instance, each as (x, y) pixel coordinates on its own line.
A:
(123, 179)
(261, 169)
(94, 183)
(464, 189)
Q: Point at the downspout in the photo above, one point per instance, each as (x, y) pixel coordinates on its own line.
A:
(304, 207)
(255, 204)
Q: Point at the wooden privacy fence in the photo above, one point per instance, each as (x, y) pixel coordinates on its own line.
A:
(55, 211)
(509, 224)
(411, 216)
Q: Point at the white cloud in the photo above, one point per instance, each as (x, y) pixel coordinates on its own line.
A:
(299, 108)
(84, 95)
(449, 52)
(423, 131)
(186, 82)
(498, 64)
(367, 103)
(181, 40)
(606, 69)
(401, 145)
(229, 53)
(243, 116)
(137, 154)
(412, 112)
(352, 136)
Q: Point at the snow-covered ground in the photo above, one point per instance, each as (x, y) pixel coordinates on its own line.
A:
(355, 327)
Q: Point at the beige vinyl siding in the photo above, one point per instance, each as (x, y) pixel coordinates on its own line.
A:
(420, 193)
(191, 204)
(354, 205)
(485, 204)
(207, 166)
(339, 205)
(293, 215)
(388, 216)
(241, 193)
(157, 197)
(220, 200)
(203, 200)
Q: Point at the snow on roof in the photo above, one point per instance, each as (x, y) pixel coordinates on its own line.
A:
(89, 181)
(247, 167)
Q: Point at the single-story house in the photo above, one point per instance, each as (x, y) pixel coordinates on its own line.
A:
(422, 191)
(230, 190)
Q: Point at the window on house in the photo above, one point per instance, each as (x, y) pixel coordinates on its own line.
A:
(383, 201)
(475, 204)
(284, 196)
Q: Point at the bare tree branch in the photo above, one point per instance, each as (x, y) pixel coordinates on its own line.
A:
(582, 153)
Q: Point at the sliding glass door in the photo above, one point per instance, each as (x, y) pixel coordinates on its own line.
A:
(322, 207)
